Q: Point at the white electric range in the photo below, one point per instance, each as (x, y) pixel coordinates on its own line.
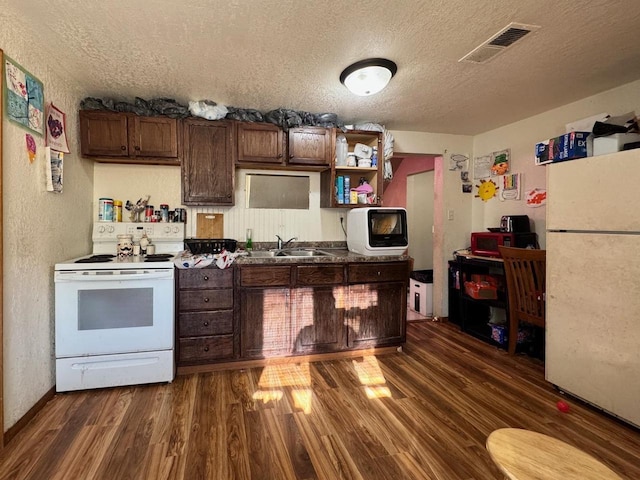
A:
(114, 317)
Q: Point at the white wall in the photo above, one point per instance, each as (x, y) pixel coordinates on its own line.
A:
(521, 138)
(130, 182)
(449, 235)
(39, 229)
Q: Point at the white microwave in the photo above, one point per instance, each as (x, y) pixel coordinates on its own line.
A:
(377, 231)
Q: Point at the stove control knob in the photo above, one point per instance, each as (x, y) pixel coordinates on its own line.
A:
(100, 229)
(111, 229)
(176, 229)
(167, 229)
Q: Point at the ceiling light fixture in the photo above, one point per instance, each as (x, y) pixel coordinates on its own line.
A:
(369, 76)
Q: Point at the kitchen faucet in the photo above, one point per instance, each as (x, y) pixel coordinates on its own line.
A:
(282, 244)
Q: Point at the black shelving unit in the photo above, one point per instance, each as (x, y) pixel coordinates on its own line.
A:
(475, 313)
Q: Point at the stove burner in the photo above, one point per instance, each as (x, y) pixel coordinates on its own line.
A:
(158, 257)
(95, 259)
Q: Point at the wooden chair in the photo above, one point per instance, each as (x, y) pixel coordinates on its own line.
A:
(525, 270)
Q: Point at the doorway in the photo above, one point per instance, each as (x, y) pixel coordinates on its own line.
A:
(420, 195)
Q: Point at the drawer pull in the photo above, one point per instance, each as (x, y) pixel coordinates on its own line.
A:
(206, 349)
(206, 299)
(205, 278)
(378, 273)
(206, 324)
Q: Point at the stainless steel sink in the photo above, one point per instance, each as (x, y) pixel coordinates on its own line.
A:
(298, 252)
(266, 253)
(306, 252)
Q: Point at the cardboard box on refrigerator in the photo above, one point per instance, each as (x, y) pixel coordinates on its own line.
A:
(569, 146)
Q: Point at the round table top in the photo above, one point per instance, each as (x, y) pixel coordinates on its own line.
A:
(526, 455)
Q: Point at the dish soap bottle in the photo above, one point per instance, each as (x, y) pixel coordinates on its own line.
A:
(249, 243)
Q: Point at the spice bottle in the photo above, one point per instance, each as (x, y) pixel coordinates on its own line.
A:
(117, 210)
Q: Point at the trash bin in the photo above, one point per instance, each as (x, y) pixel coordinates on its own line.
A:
(421, 292)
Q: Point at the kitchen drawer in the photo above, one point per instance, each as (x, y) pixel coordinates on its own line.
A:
(205, 349)
(205, 278)
(265, 276)
(219, 299)
(320, 274)
(378, 272)
(205, 323)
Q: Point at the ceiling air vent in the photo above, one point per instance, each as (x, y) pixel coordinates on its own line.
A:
(498, 43)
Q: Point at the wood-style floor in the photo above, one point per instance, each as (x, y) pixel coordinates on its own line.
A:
(424, 413)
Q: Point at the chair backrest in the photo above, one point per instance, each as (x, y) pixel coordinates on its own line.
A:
(526, 271)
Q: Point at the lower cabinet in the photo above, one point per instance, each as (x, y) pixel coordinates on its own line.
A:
(378, 304)
(378, 315)
(265, 320)
(319, 322)
(205, 317)
(308, 309)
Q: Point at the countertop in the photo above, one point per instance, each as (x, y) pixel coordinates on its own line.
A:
(339, 254)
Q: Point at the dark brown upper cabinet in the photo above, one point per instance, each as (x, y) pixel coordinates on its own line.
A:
(115, 137)
(260, 144)
(208, 162)
(310, 146)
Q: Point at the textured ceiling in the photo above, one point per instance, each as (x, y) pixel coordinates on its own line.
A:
(267, 54)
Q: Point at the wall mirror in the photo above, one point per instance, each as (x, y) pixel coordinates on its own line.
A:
(277, 191)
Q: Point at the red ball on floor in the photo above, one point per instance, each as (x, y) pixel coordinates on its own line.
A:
(563, 406)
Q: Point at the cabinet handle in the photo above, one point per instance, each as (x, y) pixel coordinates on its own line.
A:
(378, 273)
(122, 147)
(206, 349)
(291, 155)
(206, 299)
(279, 155)
(137, 148)
(205, 278)
(206, 324)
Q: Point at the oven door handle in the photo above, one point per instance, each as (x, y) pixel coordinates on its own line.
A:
(116, 276)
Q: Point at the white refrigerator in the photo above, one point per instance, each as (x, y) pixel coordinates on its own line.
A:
(593, 281)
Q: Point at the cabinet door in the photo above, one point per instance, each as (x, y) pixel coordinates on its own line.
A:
(377, 315)
(260, 143)
(265, 322)
(310, 146)
(318, 320)
(103, 134)
(208, 174)
(153, 137)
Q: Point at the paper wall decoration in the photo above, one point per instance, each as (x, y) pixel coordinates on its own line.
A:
(500, 164)
(56, 128)
(54, 161)
(487, 190)
(482, 167)
(511, 186)
(536, 197)
(458, 161)
(31, 147)
(24, 97)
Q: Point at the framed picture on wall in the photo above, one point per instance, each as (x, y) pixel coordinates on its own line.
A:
(23, 97)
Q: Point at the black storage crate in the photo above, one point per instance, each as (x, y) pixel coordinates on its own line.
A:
(210, 245)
